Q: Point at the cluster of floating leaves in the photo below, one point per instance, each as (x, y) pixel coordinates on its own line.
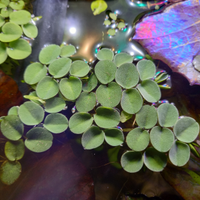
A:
(15, 23)
(106, 96)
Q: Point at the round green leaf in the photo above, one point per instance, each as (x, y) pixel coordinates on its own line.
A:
(109, 95)
(67, 51)
(105, 54)
(111, 31)
(131, 101)
(107, 22)
(31, 113)
(137, 139)
(105, 71)
(3, 53)
(18, 5)
(38, 140)
(106, 117)
(12, 128)
(179, 153)
(13, 110)
(55, 104)
(10, 32)
(47, 88)
(161, 138)
(127, 75)
(49, 53)
(20, 17)
(4, 3)
(60, 67)
(30, 30)
(92, 138)
(121, 25)
(79, 68)
(80, 122)
(146, 117)
(114, 136)
(154, 160)
(86, 102)
(149, 90)
(10, 172)
(146, 69)
(98, 7)
(70, 87)
(14, 150)
(19, 49)
(113, 16)
(122, 58)
(132, 161)
(34, 73)
(167, 115)
(186, 129)
(5, 12)
(125, 116)
(56, 123)
(2, 21)
(90, 84)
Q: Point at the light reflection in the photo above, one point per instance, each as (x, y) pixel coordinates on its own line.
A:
(72, 30)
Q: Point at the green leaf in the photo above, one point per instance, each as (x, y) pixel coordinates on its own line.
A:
(14, 150)
(56, 123)
(13, 110)
(194, 151)
(4, 3)
(105, 71)
(111, 31)
(3, 53)
(109, 95)
(60, 67)
(47, 88)
(10, 32)
(113, 156)
(149, 90)
(12, 128)
(34, 98)
(106, 117)
(105, 54)
(19, 5)
(30, 30)
(67, 51)
(5, 12)
(146, 117)
(121, 25)
(31, 113)
(179, 153)
(132, 161)
(90, 84)
(113, 16)
(127, 75)
(107, 22)
(161, 138)
(2, 21)
(122, 58)
(131, 101)
(34, 73)
(167, 115)
(186, 129)
(70, 87)
(80, 122)
(19, 49)
(98, 6)
(114, 136)
(162, 77)
(49, 54)
(86, 102)
(55, 104)
(137, 139)
(125, 116)
(154, 160)
(92, 138)
(79, 68)
(38, 140)
(194, 175)
(146, 69)
(20, 17)
(10, 172)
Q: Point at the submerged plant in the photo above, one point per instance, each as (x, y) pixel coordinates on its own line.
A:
(105, 96)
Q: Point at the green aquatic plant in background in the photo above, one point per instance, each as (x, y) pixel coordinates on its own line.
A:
(106, 94)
